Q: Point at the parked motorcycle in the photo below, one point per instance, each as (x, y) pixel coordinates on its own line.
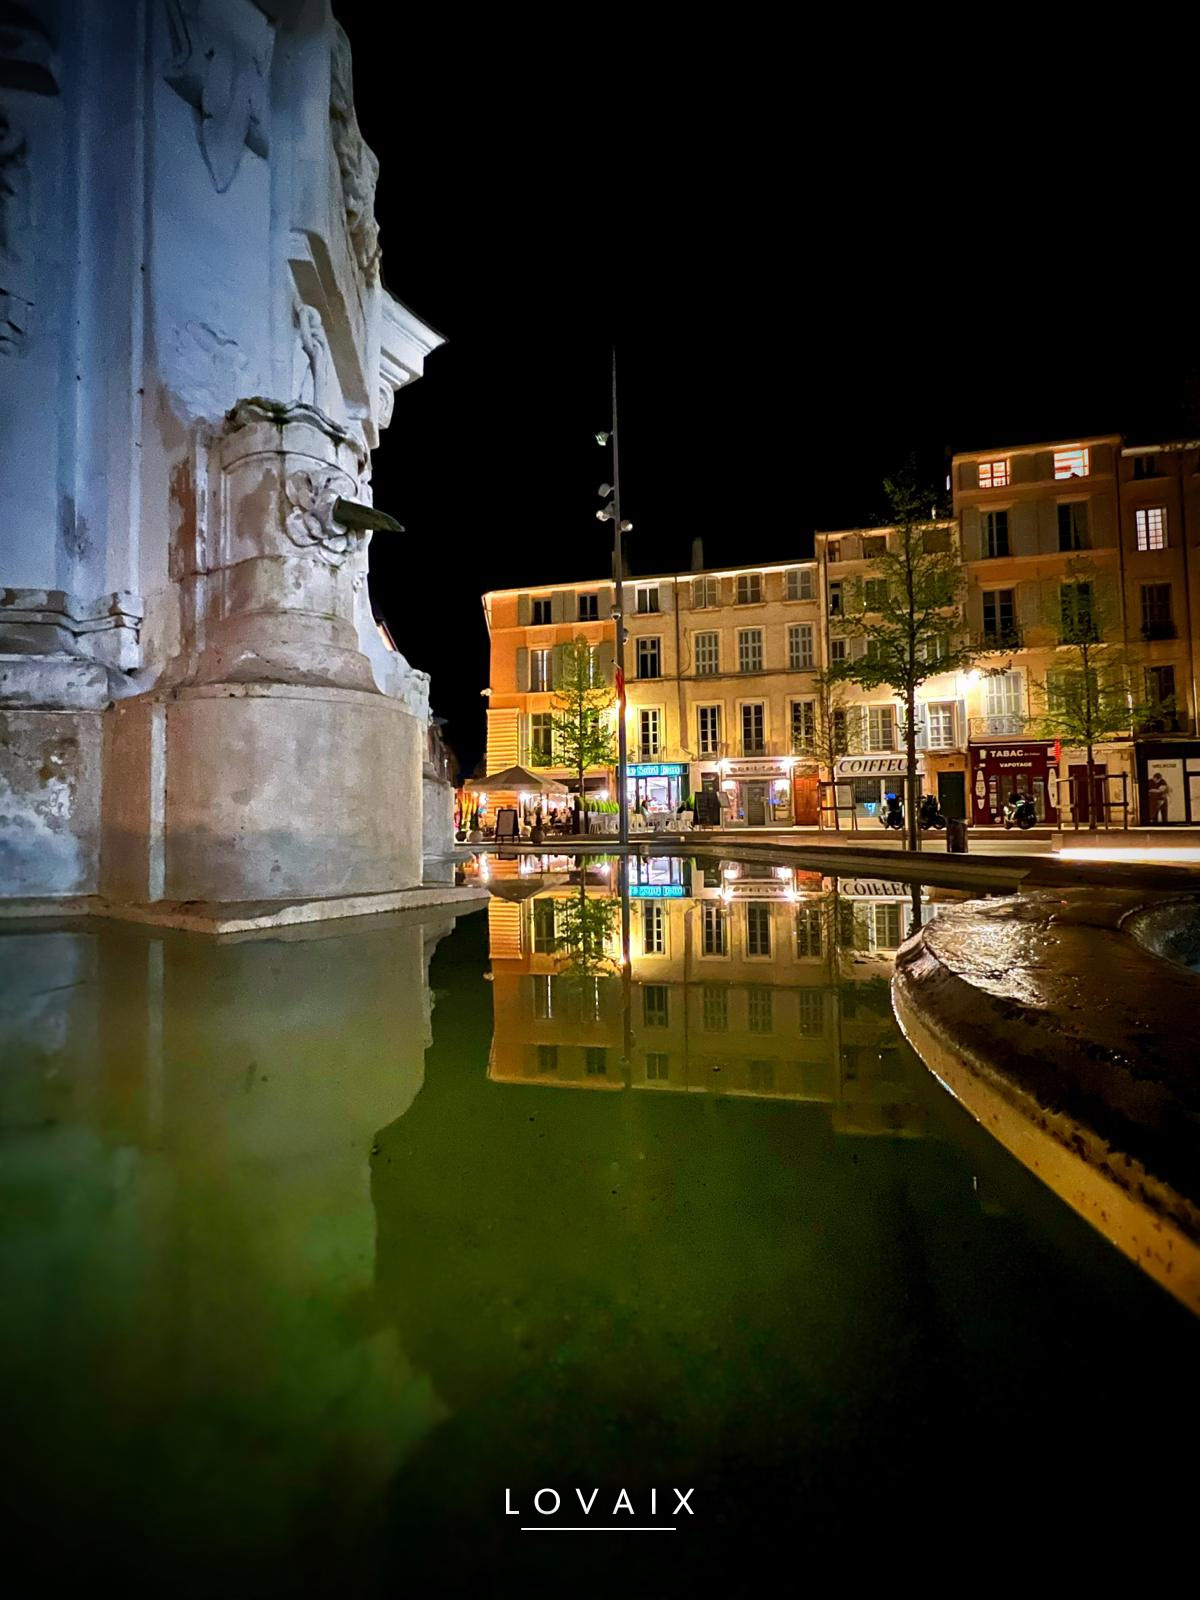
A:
(1019, 812)
(930, 813)
(892, 816)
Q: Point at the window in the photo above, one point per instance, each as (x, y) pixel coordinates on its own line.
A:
(1002, 697)
(1160, 686)
(650, 732)
(595, 1059)
(1072, 463)
(541, 671)
(881, 727)
(589, 608)
(647, 599)
(749, 589)
(833, 550)
(543, 927)
(1145, 466)
(800, 646)
(657, 1069)
(995, 533)
(655, 1007)
(800, 583)
(708, 654)
(541, 611)
(1077, 614)
(654, 931)
(704, 593)
(708, 730)
(1151, 522)
(758, 930)
(835, 599)
(874, 544)
(713, 929)
(808, 931)
(841, 729)
(839, 650)
(1157, 621)
(1073, 525)
(761, 1011)
(940, 718)
(887, 926)
(750, 650)
(716, 1008)
(1000, 616)
(753, 742)
(875, 594)
(649, 658)
(812, 1012)
(935, 541)
(935, 647)
(804, 726)
(541, 735)
(994, 474)
(547, 1058)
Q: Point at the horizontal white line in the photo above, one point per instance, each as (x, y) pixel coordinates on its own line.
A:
(599, 1530)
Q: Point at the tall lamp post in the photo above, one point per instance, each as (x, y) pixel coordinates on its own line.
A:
(612, 513)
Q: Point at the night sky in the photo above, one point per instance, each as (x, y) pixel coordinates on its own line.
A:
(800, 304)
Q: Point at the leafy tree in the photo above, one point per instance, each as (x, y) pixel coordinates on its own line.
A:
(834, 731)
(907, 611)
(1086, 694)
(580, 732)
(584, 926)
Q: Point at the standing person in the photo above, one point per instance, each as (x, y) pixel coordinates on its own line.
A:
(1159, 795)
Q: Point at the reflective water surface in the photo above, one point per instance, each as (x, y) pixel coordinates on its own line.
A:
(318, 1244)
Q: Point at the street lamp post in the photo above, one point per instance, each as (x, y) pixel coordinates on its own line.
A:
(612, 512)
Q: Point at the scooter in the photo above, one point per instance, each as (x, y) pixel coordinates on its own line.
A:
(930, 814)
(893, 814)
(1019, 812)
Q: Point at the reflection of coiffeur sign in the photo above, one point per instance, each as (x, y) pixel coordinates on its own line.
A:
(656, 891)
(873, 889)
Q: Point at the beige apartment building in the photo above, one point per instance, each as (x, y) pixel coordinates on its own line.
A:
(720, 664)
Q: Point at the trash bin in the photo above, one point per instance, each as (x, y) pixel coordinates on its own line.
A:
(956, 836)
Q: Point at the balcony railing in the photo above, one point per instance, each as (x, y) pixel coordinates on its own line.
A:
(1008, 637)
(1002, 725)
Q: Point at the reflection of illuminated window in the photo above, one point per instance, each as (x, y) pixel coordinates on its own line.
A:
(596, 1061)
(808, 931)
(716, 1009)
(543, 926)
(654, 1005)
(887, 926)
(758, 930)
(761, 1020)
(812, 1011)
(543, 998)
(656, 1067)
(654, 933)
(714, 929)
(547, 1058)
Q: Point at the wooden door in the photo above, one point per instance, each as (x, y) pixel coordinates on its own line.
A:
(804, 800)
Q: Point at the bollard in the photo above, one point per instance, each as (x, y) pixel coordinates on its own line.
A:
(956, 836)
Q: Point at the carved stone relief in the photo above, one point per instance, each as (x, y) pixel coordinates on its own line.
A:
(314, 382)
(357, 163)
(312, 496)
(224, 80)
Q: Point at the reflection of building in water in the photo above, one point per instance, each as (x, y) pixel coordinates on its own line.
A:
(758, 982)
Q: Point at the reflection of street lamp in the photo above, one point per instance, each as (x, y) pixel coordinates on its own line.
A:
(612, 513)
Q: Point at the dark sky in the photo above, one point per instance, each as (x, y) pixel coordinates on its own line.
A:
(806, 288)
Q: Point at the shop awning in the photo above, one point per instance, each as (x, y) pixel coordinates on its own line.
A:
(515, 780)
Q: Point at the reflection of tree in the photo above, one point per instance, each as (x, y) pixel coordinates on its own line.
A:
(583, 930)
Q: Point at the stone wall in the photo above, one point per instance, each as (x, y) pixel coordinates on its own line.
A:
(197, 358)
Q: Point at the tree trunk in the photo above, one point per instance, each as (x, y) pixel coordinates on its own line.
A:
(1091, 789)
(912, 787)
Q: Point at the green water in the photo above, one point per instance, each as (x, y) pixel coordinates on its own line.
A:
(303, 1270)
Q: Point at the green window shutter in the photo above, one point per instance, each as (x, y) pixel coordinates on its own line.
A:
(523, 668)
(523, 610)
(556, 666)
(605, 654)
(560, 606)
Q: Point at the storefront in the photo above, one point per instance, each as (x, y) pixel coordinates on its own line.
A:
(1168, 782)
(757, 791)
(657, 786)
(1019, 766)
(862, 784)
